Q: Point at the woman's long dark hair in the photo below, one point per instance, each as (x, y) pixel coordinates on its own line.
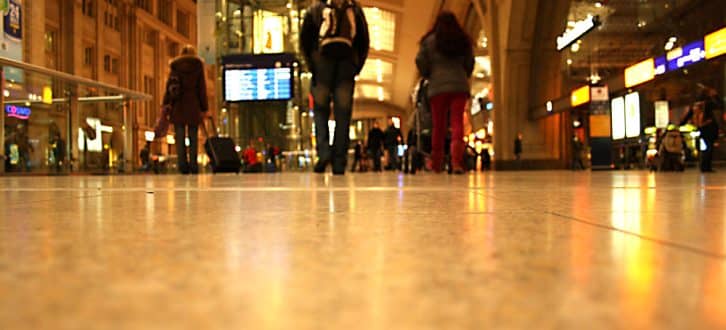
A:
(451, 39)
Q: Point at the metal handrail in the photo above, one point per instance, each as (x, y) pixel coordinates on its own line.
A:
(127, 93)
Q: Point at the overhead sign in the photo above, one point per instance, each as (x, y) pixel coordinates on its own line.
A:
(580, 29)
(632, 115)
(17, 112)
(661, 65)
(640, 73)
(617, 115)
(686, 55)
(580, 96)
(715, 44)
(600, 94)
(662, 114)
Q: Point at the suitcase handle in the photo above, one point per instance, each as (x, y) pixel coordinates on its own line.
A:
(204, 126)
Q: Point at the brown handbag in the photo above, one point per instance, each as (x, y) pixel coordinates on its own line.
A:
(162, 123)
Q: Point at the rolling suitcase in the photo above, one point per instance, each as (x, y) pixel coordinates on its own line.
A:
(222, 153)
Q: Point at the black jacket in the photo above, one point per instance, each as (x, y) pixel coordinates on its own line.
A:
(392, 134)
(192, 101)
(375, 139)
(310, 35)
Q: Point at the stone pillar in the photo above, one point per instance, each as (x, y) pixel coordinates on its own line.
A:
(517, 30)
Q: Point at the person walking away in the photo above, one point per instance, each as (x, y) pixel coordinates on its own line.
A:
(375, 143)
(59, 152)
(335, 42)
(390, 143)
(357, 157)
(271, 159)
(577, 150)
(446, 59)
(518, 147)
(145, 156)
(186, 94)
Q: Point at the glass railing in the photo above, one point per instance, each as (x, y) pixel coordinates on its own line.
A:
(54, 122)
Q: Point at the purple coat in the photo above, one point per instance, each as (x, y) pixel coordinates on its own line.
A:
(192, 101)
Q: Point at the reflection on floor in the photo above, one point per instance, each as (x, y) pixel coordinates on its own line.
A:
(539, 250)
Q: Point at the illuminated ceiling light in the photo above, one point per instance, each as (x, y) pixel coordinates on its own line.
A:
(672, 39)
(6, 93)
(549, 106)
(575, 47)
(598, 4)
(289, 5)
(569, 61)
(594, 78)
(642, 24)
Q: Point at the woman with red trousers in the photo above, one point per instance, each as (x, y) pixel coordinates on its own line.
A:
(446, 59)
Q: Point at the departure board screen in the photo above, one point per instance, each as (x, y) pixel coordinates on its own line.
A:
(258, 84)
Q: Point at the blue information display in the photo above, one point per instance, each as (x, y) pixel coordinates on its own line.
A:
(686, 55)
(258, 84)
(661, 65)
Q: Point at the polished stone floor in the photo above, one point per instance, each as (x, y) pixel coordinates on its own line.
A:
(529, 250)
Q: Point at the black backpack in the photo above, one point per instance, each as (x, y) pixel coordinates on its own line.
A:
(337, 30)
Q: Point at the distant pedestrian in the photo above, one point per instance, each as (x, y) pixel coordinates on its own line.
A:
(446, 59)
(518, 147)
(357, 157)
(145, 156)
(375, 145)
(577, 150)
(390, 143)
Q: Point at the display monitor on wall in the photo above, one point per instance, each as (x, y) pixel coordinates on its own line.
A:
(266, 77)
(632, 115)
(617, 114)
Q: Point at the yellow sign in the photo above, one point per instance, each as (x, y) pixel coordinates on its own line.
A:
(640, 73)
(715, 44)
(47, 95)
(580, 96)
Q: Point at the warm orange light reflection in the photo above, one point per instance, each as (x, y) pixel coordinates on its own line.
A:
(634, 213)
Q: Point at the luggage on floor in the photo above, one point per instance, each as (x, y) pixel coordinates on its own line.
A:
(222, 152)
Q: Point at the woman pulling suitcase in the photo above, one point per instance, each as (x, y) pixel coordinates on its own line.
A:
(186, 98)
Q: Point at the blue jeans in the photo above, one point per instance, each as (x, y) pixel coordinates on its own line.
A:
(333, 80)
(186, 162)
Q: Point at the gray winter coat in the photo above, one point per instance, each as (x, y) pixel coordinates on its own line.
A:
(445, 75)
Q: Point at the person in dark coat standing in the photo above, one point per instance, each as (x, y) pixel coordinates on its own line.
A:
(334, 40)
(446, 59)
(375, 145)
(392, 136)
(518, 147)
(186, 94)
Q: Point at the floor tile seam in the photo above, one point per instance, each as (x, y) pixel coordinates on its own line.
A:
(13, 206)
(664, 242)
